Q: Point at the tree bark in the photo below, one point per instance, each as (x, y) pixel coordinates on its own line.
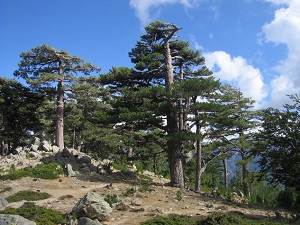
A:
(4, 148)
(174, 150)
(60, 110)
(176, 164)
(225, 173)
(198, 160)
(246, 188)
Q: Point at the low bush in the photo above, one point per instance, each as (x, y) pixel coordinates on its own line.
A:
(111, 199)
(38, 214)
(28, 196)
(129, 192)
(43, 171)
(214, 219)
(179, 195)
(231, 219)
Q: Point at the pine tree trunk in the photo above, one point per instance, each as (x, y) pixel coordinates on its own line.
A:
(175, 164)
(246, 188)
(198, 160)
(225, 173)
(4, 148)
(173, 146)
(60, 112)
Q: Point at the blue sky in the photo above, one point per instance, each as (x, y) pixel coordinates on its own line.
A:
(252, 44)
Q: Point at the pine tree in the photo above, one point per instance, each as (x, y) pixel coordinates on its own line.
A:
(278, 144)
(44, 66)
(158, 92)
(237, 126)
(19, 113)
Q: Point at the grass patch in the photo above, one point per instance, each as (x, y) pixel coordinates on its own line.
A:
(214, 219)
(28, 196)
(129, 192)
(231, 219)
(38, 214)
(111, 199)
(43, 171)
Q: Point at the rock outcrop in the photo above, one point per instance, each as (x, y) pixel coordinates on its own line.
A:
(92, 206)
(6, 219)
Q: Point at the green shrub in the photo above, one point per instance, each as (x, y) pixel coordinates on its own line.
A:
(111, 199)
(179, 195)
(231, 219)
(171, 220)
(47, 171)
(288, 199)
(38, 214)
(43, 171)
(28, 196)
(144, 186)
(129, 192)
(15, 175)
(12, 168)
(118, 166)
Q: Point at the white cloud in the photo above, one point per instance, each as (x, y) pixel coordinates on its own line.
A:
(236, 71)
(142, 7)
(285, 29)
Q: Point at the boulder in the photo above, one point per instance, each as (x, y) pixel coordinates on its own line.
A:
(18, 150)
(3, 203)
(34, 155)
(84, 159)
(7, 219)
(66, 153)
(46, 146)
(55, 149)
(37, 141)
(69, 171)
(88, 221)
(92, 206)
(34, 164)
(34, 148)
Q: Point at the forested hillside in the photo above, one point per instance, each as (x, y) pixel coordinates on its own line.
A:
(167, 114)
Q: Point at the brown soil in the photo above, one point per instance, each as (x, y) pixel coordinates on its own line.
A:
(161, 200)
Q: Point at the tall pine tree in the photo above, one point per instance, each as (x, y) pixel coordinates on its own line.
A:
(44, 66)
(158, 92)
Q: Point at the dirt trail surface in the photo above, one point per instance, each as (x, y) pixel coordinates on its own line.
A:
(161, 200)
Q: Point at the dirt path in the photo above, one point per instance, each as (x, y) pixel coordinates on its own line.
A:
(161, 200)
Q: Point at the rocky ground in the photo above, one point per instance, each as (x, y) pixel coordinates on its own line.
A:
(161, 200)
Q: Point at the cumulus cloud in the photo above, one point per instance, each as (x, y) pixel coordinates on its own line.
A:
(236, 71)
(285, 29)
(142, 7)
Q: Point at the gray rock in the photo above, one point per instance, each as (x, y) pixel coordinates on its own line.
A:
(37, 141)
(136, 202)
(66, 153)
(69, 171)
(55, 149)
(34, 155)
(121, 206)
(93, 206)
(88, 221)
(34, 148)
(6, 219)
(3, 202)
(18, 150)
(85, 159)
(34, 164)
(46, 146)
